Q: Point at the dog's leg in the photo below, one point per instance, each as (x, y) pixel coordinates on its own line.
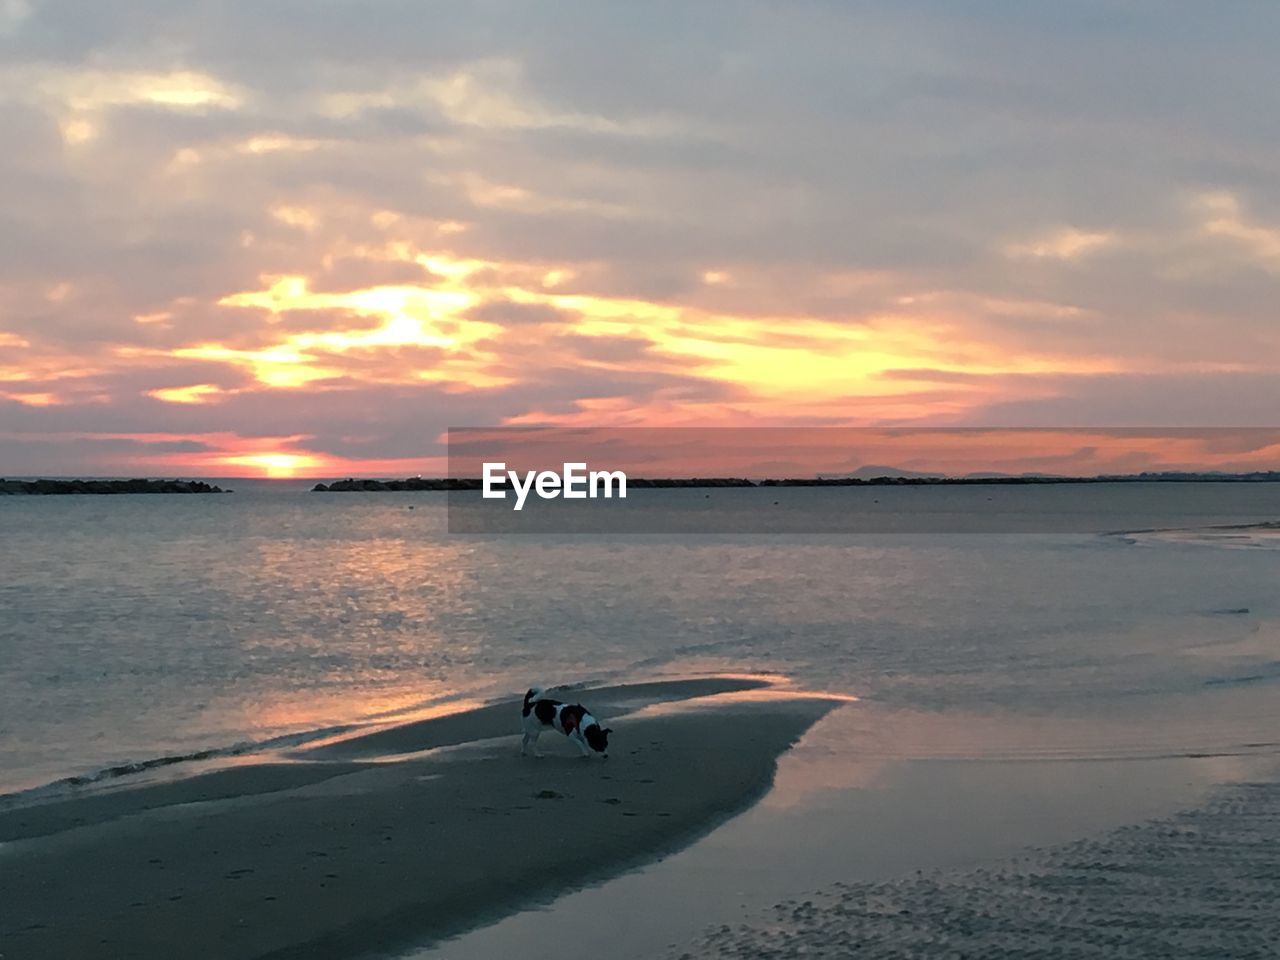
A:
(532, 730)
(582, 744)
(530, 736)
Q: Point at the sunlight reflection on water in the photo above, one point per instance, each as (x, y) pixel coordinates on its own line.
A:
(138, 626)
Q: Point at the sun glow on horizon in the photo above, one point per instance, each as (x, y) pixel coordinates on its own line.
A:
(276, 466)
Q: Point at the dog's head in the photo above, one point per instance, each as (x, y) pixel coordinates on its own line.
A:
(597, 737)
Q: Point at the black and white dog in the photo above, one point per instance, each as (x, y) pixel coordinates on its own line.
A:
(571, 719)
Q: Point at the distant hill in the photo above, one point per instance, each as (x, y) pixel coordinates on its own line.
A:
(871, 472)
(874, 472)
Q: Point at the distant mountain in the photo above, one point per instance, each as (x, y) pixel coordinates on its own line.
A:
(871, 471)
(995, 475)
(874, 471)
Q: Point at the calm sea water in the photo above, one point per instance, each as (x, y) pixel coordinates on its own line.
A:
(136, 627)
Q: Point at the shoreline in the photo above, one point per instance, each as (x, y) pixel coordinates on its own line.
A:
(472, 484)
(417, 729)
(367, 847)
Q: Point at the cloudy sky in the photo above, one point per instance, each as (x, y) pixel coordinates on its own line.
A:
(305, 237)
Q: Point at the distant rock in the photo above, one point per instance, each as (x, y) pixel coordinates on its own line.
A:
(641, 483)
(61, 487)
(352, 485)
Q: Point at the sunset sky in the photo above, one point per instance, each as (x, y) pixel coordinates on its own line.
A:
(303, 238)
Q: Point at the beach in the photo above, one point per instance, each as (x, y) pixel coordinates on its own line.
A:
(751, 818)
(331, 858)
(1198, 883)
(964, 839)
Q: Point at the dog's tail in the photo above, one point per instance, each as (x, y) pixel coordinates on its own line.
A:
(533, 696)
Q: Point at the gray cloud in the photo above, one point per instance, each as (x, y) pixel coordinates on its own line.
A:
(644, 144)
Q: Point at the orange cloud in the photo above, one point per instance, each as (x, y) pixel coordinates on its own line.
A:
(196, 393)
(1067, 243)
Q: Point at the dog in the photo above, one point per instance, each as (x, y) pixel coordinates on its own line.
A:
(571, 719)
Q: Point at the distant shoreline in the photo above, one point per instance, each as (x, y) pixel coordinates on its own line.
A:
(446, 484)
(38, 488)
(50, 487)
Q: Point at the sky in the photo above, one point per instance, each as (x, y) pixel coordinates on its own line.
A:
(304, 238)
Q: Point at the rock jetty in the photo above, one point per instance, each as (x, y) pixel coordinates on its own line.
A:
(55, 487)
(352, 485)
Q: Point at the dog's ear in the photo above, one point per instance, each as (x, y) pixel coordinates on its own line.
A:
(607, 731)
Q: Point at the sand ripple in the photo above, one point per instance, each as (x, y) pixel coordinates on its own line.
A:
(1200, 884)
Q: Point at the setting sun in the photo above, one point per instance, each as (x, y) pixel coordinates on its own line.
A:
(275, 465)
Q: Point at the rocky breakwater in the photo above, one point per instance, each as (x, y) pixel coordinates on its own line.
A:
(351, 485)
(53, 487)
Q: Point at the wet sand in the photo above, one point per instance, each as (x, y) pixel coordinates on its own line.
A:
(967, 828)
(369, 846)
(1201, 883)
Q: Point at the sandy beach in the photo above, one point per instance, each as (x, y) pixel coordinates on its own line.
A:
(1198, 883)
(370, 845)
(963, 839)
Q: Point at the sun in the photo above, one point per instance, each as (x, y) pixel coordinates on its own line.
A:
(276, 466)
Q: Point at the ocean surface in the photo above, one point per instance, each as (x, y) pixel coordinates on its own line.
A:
(138, 628)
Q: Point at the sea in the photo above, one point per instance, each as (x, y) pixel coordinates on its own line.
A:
(144, 632)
